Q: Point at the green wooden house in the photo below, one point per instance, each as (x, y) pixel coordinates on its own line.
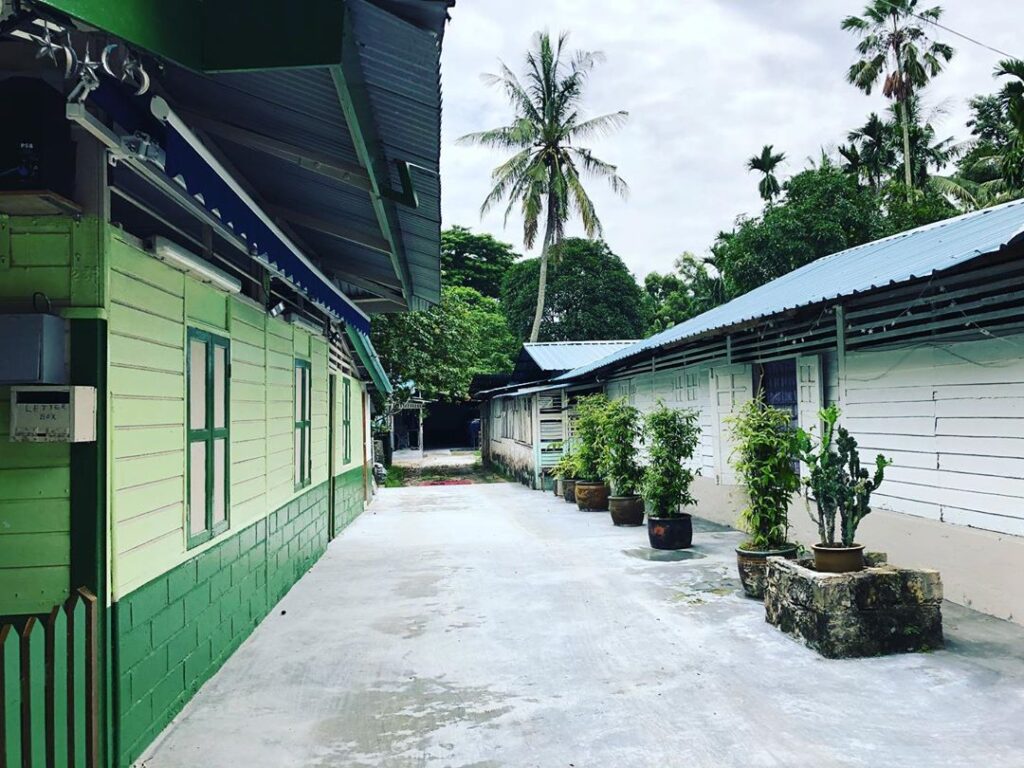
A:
(200, 211)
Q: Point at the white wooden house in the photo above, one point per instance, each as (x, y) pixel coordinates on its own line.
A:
(526, 422)
(919, 338)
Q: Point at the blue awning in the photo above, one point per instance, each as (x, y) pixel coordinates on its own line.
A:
(200, 176)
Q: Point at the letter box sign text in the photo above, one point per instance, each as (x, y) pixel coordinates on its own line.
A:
(53, 414)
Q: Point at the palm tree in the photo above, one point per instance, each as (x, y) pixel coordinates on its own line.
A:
(872, 142)
(766, 163)
(895, 48)
(543, 174)
(1012, 165)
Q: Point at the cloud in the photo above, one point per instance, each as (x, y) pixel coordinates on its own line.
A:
(707, 83)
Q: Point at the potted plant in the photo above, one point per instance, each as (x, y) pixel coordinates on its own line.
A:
(591, 491)
(566, 470)
(765, 456)
(841, 488)
(666, 485)
(622, 433)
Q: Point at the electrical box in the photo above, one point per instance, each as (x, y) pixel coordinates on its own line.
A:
(32, 349)
(46, 414)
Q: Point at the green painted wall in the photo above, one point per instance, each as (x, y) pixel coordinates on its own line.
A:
(61, 258)
(151, 308)
(175, 631)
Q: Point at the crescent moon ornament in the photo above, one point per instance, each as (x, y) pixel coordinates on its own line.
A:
(105, 59)
(70, 59)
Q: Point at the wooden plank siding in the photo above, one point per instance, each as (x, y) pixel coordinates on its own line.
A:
(151, 308)
(59, 257)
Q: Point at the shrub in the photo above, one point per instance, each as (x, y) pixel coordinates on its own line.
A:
(589, 435)
(673, 439)
(567, 467)
(840, 485)
(765, 454)
(623, 431)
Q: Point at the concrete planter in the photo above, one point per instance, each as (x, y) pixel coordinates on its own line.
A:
(559, 486)
(879, 610)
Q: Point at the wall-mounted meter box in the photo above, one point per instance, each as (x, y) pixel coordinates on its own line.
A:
(48, 414)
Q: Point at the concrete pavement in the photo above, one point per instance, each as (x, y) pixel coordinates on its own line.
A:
(490, 626)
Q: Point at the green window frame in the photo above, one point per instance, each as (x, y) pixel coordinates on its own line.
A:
(346, 419)
(208, 420)
(302, 443)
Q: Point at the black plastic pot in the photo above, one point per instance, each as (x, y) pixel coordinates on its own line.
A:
(626, 510)
(670, 532)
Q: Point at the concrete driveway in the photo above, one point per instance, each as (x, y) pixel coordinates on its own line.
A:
(492, 626)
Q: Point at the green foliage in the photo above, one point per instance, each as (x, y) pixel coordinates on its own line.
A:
(906, 211)
(825, 211)
(544, 175)
(623, 434)
(694, 288)
(591, 295)
(395, 477)
(672, 436)
(591, 411)
(438, 351)
(766, 450)
(567, 467)
(841, 486)
(472, 260)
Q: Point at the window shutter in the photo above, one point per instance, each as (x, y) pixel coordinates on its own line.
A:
(809, 392)
(731, 387)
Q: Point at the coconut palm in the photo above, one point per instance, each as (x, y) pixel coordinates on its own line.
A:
(543, 176)
(765, 164)
(895, 48)
(1012, 165)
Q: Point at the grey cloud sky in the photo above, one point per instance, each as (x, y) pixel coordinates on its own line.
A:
(707, 83)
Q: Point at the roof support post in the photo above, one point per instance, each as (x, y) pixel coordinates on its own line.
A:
(841, 352)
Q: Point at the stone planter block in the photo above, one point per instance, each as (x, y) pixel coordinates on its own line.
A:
(880, 610)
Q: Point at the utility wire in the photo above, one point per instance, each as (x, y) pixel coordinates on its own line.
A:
(952, 31)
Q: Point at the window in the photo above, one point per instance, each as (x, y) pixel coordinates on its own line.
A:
(209, 370)
(303, 394)
(346, 420)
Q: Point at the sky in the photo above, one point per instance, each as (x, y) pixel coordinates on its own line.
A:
(706, 83)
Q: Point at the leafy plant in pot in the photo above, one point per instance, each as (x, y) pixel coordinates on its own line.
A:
(566, 471)
(623, 431)
(591, 491)
(765, 456)
(842, 489)
(672, 436)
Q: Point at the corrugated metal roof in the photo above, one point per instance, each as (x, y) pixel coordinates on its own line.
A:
(562, 355)
(913, 254)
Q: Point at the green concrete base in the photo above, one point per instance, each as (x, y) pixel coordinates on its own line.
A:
(173, 633)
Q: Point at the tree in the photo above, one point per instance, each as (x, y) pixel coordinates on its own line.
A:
(591, 295)
(765, 164)
(473, 260)
(825, 211)
(874, 149)
(694, 288)
(438, 351)
(895, 48)
(543, 174)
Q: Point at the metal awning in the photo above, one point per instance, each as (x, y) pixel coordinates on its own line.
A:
(368, 357)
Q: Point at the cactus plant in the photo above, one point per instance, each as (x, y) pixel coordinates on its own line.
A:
(841, 486)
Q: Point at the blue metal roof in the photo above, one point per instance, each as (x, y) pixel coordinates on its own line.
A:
(900, 258)
(563, 355)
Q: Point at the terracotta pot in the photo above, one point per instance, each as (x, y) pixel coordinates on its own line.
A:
(626, 510)
(569, 491)
(591, 497)
(670, 532)
(836, 559)
(753, 565)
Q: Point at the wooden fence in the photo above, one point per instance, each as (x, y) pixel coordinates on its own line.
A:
(48, 688)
